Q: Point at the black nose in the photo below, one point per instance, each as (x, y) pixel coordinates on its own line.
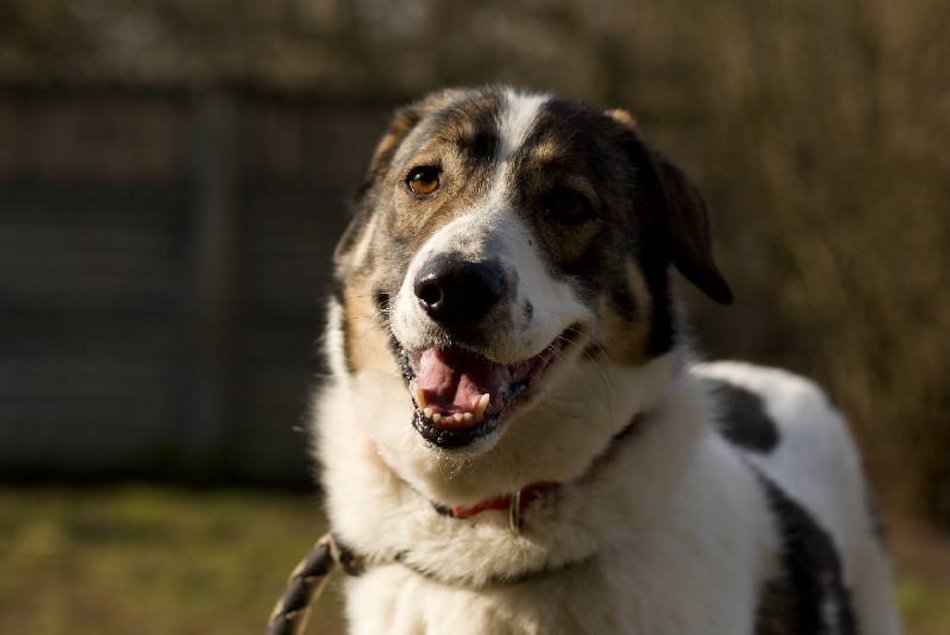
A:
(458, 293)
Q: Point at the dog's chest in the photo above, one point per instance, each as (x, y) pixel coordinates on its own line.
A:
(607, 596)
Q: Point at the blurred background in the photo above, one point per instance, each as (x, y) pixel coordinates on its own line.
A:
(173, 176)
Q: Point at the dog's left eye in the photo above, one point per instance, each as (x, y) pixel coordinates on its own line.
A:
(566, 207)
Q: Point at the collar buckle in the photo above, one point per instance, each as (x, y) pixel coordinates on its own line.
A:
(515, 522)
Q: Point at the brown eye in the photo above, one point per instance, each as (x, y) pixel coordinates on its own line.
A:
(423, 180)
(566, 207)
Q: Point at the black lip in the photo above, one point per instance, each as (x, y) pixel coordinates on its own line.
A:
(449, 439)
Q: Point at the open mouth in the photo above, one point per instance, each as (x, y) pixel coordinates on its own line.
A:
(461, 396)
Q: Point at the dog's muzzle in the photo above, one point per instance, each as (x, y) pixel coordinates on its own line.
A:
(461, 388)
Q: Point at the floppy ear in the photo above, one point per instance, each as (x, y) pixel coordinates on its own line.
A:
(688, 225)
(402, 123)
(690, 231)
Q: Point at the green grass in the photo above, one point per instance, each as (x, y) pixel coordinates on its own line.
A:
(151, 560)
(926, 606)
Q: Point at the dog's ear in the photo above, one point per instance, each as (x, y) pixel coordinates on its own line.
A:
(688, 224)
(624, 118)
(690, 231)
(401, 124)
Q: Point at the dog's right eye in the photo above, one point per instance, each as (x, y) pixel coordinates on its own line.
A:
(423, 180)
(566, 207)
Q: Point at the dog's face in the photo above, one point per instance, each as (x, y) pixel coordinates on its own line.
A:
(508, 248)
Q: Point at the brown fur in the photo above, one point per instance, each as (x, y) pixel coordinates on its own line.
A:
(626, 337)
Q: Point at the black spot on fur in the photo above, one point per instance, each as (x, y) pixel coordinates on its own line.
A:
(742, 418)
(472, 123)
(810, 596)
(528, 310)
(482, 146)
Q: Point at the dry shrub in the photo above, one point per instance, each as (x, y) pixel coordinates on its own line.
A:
(823, 148)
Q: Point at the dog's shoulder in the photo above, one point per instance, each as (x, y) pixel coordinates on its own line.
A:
(790, 432)
(764, 410)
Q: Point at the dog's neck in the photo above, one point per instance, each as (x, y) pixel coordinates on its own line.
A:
(377, 508)
(516, 503)
(555, 441)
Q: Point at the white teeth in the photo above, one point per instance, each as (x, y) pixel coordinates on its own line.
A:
(420, 397)
(480, 406)
(456, 418)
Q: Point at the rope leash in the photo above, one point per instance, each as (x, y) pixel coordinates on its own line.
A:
(307, 583)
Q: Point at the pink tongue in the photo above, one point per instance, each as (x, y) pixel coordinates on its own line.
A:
(453, 380)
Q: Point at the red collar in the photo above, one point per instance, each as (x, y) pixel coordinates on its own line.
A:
(528, 495)
(519, 501)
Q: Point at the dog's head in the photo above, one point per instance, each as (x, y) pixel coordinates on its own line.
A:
(509, 252)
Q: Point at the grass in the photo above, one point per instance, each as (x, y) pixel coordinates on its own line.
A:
(923, 588)
(152, 560)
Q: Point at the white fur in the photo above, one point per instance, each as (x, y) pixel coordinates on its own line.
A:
(677, 532)
(673, 535)
(669, 520)
(518, 119)
(333, 341)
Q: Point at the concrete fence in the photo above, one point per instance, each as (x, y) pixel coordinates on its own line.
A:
(163, 255)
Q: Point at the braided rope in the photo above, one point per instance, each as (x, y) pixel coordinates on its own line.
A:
(306, 584)
(311, 576)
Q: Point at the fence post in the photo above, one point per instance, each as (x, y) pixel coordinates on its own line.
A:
(215, 268)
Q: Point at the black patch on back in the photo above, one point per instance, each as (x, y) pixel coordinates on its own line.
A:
(742, 418)
(810, 596)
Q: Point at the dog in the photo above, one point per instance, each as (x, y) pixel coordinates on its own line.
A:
(514, 435)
